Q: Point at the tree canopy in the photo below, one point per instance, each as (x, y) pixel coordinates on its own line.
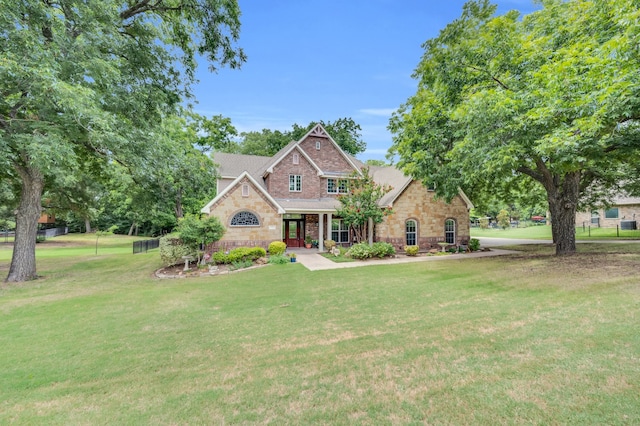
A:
(345, 131)
(90, 82)
(551, 99)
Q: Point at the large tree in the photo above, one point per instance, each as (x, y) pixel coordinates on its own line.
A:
(85, 79)
(552, 98)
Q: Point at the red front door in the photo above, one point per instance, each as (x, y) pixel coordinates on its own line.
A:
(294, 233)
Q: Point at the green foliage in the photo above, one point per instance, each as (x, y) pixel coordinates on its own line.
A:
(239, 254)
(240, 264)
(411, 250)
(503, 219)
(344, 131)
(484, 223)
(549, 99)
(88, 84)
(278, 259)
(361, 204)
(474, 244)
(277, 248)
(194, 231)
(366, 251)
(172, 250)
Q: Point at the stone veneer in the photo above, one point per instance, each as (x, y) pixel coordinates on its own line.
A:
(417, 203)
(270, 228)
(625, 212)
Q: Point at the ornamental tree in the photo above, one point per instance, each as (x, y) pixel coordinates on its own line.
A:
(360, 204)
(552, 99)
(90, 81)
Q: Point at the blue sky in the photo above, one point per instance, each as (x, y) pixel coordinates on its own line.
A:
(311, 60)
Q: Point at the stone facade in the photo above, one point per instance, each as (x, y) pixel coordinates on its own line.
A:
(419, 204)
(317, 158)
(233, 202)
(626, 212)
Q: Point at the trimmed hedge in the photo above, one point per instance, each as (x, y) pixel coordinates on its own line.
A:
(277, 247)
(411, 250)
(239, 254)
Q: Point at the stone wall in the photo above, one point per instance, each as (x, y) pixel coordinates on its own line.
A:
(417, 203)
(625, 212)
(270, 228)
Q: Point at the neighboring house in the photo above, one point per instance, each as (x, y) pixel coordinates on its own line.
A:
(624, 212)
(294, 194)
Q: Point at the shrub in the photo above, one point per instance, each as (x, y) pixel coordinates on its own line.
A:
(240, 264)
(329, 244)
(484, 223)
(360, 251)
(411, 250)
(277, 247)
(239, 254)
(278, 259)
(382, 249)
(452, 250)
(172, 250)
(474, 244)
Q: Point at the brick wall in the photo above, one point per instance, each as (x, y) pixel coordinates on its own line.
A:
(419, 204)
(278, 182)
(328, 158)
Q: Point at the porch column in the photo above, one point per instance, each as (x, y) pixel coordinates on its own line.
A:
(329, 216)
(320, 231)
(370, 229)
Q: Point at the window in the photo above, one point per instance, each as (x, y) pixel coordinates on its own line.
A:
(339, 231)
(295, 183)
(245, 219)
(245, 190)
(611, 213)
(296, 159)
(318, 145)
(340, 186)
(450, 231)
(411, 232)
(595, 218)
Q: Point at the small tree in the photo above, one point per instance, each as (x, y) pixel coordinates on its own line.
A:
(194, 231)
(503, 219)
(109, 231)
(361, 204)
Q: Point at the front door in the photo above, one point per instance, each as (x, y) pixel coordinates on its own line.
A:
(294, 232)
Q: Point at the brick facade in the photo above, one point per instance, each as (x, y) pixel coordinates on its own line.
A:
(278, 183)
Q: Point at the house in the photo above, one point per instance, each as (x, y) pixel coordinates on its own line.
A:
(294, 194)
(624, 211)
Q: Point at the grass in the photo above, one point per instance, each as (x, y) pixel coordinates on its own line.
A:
(542, 232)
(523, 339)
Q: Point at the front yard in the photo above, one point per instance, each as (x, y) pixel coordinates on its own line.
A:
(517, 339)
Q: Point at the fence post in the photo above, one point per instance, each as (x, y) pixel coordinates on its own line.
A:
(589, 230)
(618, 231)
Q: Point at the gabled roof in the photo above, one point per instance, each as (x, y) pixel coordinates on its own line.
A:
(319, 132)
(206, 209)
(233, 165)
(394, 177)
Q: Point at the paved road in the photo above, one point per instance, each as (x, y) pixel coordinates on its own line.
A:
(499, 242)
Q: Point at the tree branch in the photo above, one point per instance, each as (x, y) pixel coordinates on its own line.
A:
(494, 78)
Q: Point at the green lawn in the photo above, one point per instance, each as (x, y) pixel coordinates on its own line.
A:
(543, 232)
(523, 339)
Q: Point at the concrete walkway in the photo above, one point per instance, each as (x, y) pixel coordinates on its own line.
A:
(313, 261)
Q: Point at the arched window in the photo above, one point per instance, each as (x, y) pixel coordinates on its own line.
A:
(450, 231)
(245, 218)
(411, 232)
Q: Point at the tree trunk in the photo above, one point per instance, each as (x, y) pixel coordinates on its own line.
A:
(178, 207)
(23, 260)
(87, 225)
(131, 228)
(563, 203)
